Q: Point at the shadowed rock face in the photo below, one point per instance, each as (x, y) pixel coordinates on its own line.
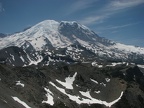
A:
(110, 82)
(74, 30)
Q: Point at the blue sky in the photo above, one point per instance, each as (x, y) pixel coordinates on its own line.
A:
(118, 20)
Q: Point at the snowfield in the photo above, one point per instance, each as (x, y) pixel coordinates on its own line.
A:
(21, 102)
(89, 99)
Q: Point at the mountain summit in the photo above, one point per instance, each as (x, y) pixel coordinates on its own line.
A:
(51, 32)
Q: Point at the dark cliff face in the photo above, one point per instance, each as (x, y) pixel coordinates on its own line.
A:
(74, 30)
(12, 56)
(35, 79)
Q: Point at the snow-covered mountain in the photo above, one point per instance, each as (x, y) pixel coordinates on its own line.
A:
(50, 34)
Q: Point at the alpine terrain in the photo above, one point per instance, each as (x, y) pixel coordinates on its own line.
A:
(67, 65)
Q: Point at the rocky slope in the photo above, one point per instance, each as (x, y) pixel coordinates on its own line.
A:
(72, 86)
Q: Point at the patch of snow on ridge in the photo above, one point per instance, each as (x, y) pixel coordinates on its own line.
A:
(21, 102)
(96, 65)
(4, 100)
(91, 100)
(100, 66)
(19, 83)
(97, 92)
(141, 66)
(94, 81)
(12, 57)
(103, 84)
(86, 94)
(50, 99)
(74, 98)
(107, 79)
(115, 64)
(21, 57)
(68, 82)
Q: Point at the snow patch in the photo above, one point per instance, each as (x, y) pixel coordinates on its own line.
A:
(68, 81)
(86, 94)
(4, 100)
(141, 66)
(100, 66)
(21, 102)
(50, 99)
(107, 79)
(94, 81)
(96, 65)
(12, 57)
(114, 64)
(22, 58)
(97, 92)
(77, 85)
(19, 83)
(103, 84)
(91, 100)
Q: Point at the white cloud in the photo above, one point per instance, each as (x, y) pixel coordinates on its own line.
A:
(1, 8)
(113, 28)
(93, 19)
(122, 4)
(120, 26)
(111, 8)
(80, 5)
